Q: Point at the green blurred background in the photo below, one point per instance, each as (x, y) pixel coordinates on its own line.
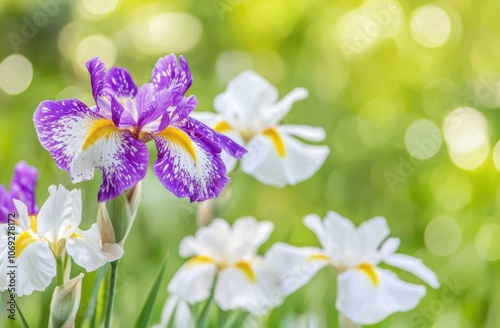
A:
(408, 93)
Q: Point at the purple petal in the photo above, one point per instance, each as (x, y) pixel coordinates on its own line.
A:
(80, 140)
(120, 82)
(185, 107)
(199, 129)
(116, 111)
(167, 74)
(97, 71)
(23, 184)
(187, 166)
(6, 205)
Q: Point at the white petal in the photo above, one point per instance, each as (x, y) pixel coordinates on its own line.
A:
(305, 132)
(210, 241)
(4, 262)
(36, 267)
(283, 107)
(371, 233)
(60, 215)
(294, 266)
(413, 265)
(365, 303)
(85, 249)
(193, 281)
(340, 240)
(277, 165)
(254, 289)
(177, 310)
(390, 246)
(246, 96)
(247, 236)
(22, 210)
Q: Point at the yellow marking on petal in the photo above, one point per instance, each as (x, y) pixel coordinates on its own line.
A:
(370, 272)
(100, 128)
(275, 137)
(200, 259)
(23, 240)
(317, 257)
(75, 235)
(180, 138)
(33, 223)
(247, 269)
(222, 126)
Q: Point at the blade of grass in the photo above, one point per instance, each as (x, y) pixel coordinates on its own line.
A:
(23, 320)
(147, 308)
(202, 323)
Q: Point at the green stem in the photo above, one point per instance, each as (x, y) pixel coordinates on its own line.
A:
(111, 294)
(60, 271)
(202, 323)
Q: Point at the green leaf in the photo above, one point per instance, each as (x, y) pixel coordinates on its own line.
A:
(91, 305)
(23, 320)
(147, 308)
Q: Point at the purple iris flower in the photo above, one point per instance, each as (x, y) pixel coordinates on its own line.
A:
(22, 187)
(112, 135)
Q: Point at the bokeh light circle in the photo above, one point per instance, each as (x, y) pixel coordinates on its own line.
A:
(488, 243)
(99, 7)
(423, 139)
(466, 133)
(442, 236)
(164, 32)
(96, 45)
(16, 73)
(430, 26)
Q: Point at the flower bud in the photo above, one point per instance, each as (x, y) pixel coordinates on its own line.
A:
(116, 217)
(65, 303)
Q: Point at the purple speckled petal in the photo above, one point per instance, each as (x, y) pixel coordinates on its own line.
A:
(116, 111)
(120, 82)
(23, 184)
(97, 71)
(80, 140)
(167, 74)
(199, 129)
(187, 166)
(185, 107)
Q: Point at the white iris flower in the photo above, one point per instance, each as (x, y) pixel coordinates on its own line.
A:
(47, 236)
(228, 255)
(366, 293)
(249, 113)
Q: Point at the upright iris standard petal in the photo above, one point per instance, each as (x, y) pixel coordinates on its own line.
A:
(80, 140)
(168, 74)
(120, 82)
(23, 184)
(188, 166)
(22, 187)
